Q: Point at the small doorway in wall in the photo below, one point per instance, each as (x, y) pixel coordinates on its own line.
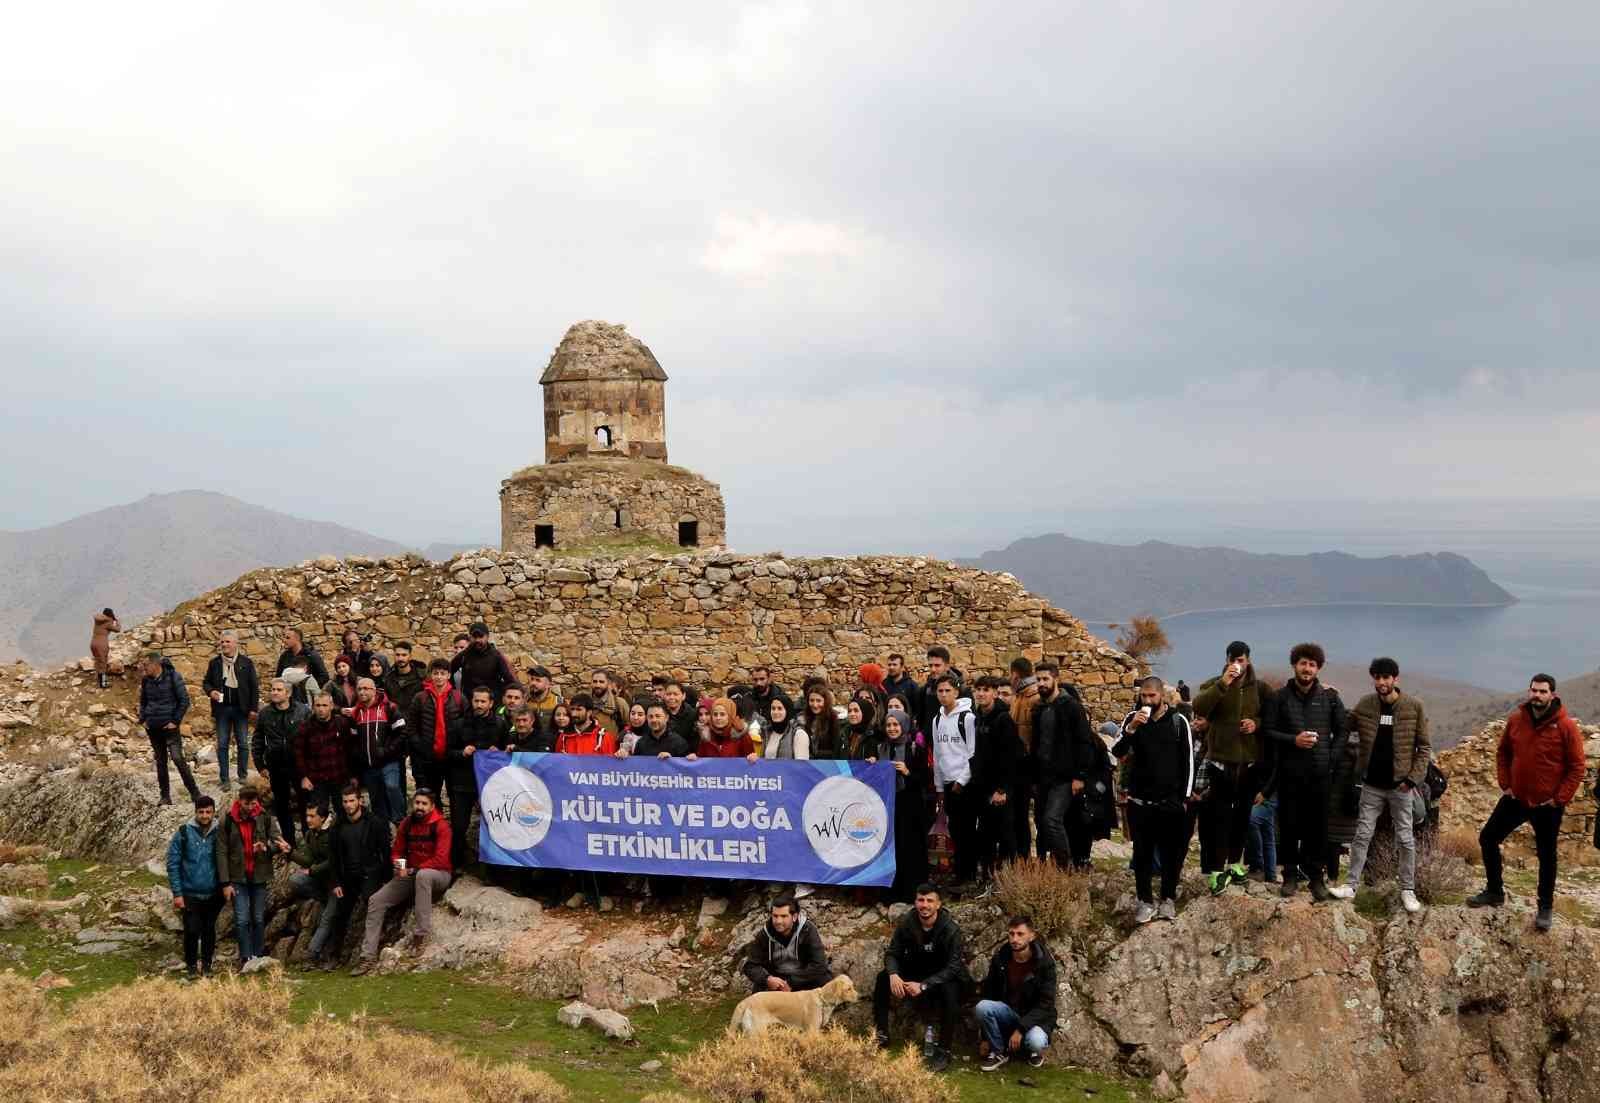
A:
(544, 536)
(616, 518)
(688, 534)
(603, 436)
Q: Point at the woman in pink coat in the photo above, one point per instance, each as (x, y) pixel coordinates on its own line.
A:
(105, 623)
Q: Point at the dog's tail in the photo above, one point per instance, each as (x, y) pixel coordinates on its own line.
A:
(747, 1022)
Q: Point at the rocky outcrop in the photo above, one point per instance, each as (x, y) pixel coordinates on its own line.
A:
(113, 815)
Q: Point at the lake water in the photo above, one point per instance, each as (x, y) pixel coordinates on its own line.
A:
(1554, 629)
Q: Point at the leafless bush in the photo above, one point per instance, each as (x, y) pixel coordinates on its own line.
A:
(1442, 877)
(787, 1066)
(1057, 899)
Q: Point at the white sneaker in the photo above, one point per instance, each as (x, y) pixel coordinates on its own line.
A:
(1341, 892)
(1144, 913)
(1409, 901)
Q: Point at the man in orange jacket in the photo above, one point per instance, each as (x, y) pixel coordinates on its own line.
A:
(1541, 765)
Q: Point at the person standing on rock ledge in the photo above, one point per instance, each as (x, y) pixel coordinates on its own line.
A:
(1307, 725)
(105, 623)
(1231, 705)
(163, 701)
(235, 694)
(1160, 788)
(294, 649)
(1540, 765)
(1393, 732)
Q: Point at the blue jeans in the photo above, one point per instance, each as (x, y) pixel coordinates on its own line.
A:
(996, 1021)
(250, 919)
(1261, 840)
(305, 887)
(232, 727)
(386, 790)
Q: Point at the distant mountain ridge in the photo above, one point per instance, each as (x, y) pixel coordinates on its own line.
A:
(143, 558)
(1112, 582)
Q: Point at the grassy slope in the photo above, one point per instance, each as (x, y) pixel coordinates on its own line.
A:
(475, 1013)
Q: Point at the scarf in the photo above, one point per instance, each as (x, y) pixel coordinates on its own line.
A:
(246, 819)
(438, 717)
(229, 680)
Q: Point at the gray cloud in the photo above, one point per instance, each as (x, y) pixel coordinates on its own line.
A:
(330, 251)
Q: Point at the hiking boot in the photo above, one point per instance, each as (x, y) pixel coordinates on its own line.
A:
(1488, 898)
(1342, 892)
(167, 801)
(362, 967)
(1319, 890)
(1216, 882)
(1409, 901)
(1144, 913)
(995, 1062)
(881, 1038)
(1545, 919)
(328, 964)
(938, 1060)
(1168, 909)
(1291, 885)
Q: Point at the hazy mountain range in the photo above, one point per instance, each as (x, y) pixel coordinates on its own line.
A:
(1112, 582)
(143, 558)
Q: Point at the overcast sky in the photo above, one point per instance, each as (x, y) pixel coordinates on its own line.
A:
(920, 274)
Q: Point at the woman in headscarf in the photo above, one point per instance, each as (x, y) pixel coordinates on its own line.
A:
(724, 735)
(822, 723)
(863, 738)
(906, 750)
(785, 737)
(355, 646)
(105, 623)
(377, 670)
(637, 724)
(343, 683)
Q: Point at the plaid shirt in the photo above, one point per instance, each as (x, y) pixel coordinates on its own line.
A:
(319, 751)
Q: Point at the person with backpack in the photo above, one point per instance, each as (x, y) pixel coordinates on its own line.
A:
(998, 777)
(1066, 764)
(1392, 760)
(245, 851)
(1157, 740)
(437, 709)
(196, 892)
(955, 741)
(377, 749)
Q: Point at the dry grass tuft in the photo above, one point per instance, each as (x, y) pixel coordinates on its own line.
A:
(1459, 843)
(22, 878)
(1442, 877)
(155, 1040)
(668, 1097)
(10, 855)
(1057, 899)
(24, 1016)
(787, 1066)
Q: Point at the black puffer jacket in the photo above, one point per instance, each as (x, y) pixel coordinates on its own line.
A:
(928, 956)
(481, 733)
(272, 744)
(163, 699)
(1319, 710)
(1061, 736)
(997, 762)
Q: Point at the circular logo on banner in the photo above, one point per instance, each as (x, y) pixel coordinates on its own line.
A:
(517, 807)
(846, 822)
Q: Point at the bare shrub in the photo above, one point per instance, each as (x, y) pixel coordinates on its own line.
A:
(1056, 898)
(788, 1066)
(1460, 843)
(10, 854)
(1143, 638)
(1442, 877)
(22, 878)
(232, 1039)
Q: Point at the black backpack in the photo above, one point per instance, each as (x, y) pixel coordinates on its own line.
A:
(1435, 782)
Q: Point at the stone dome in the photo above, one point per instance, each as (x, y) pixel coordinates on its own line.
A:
(596, 350)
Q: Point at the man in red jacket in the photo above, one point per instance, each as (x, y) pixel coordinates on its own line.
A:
(421, 853)
(1541, 765)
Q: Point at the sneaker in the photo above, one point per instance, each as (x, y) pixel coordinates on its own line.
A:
(1237, 874)
(418, 942)
(995, 1062)
(1488, 898)
(1216, 882)
(881, 1039)
(1291, 885)
(166, 801)
(938, 1060)
(362, 967)
(1545, 919)
(1409, 901)
(1319, 890)
(1144, 913)
(1168, 909)
(1342, 892)
(1036, 1060)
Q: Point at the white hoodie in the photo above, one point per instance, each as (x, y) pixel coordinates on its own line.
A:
(955, 738)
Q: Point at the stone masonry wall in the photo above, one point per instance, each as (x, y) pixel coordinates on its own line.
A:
(634, 409)
(711, 617)
(581, 499)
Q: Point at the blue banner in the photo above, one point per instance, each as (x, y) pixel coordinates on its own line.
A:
(825, 823)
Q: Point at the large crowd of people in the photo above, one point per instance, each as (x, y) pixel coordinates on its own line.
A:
(1280, 785)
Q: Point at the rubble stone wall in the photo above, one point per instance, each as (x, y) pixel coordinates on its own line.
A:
(596, 500)
(710, 617)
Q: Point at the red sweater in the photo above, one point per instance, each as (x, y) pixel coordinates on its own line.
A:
(1541, 760)
(726, 748)
(592, 740)
(424, 845)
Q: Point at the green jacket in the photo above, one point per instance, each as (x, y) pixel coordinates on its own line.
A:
(230, 848)
(315, 853)
(1223, 708)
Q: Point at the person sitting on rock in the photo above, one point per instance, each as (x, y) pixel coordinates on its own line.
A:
(421, 855)
(924, 963)
(359, 862)
(245, 850)
(1018, 1010)
(1540, 765)
(787, 955)
(314, 856)
(196, 893)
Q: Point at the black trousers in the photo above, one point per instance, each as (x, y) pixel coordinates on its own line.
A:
(428, 776)
(1022, 822)
(288, 802)
(1227, 811)
(803, 979)
(200, 930)
(1163, 832)
(169, 744)
(1509, 815)
(962, 810)
(943, 1000)
(462, 802)
(997, 830)
(1303, 824)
